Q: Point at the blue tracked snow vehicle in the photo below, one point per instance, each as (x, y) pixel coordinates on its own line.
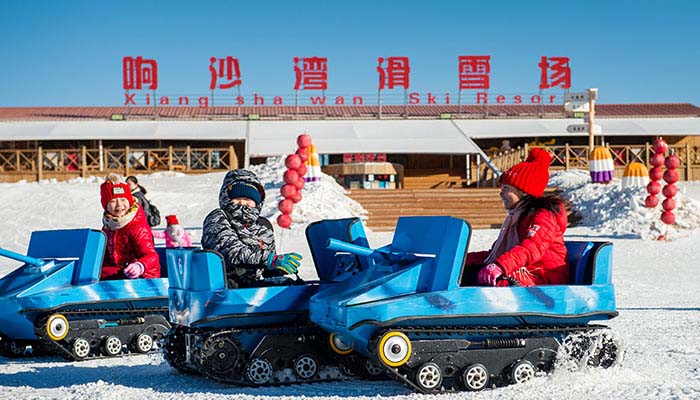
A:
(56, 302)
(411, 314)
(260, 335)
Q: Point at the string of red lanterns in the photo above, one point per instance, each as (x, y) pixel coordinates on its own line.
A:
(294, 180)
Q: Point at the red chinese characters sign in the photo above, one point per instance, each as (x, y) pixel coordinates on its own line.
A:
(474, 72)
(227, 69)
(312, 75)
(396, 73)
(138, 72)
(555, 72)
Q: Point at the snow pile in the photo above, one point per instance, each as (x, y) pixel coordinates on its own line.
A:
(613, 210)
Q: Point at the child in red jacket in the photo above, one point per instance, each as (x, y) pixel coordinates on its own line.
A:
(530, 246)
(129, 252)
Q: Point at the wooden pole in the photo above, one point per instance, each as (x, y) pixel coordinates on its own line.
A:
(567, 165)
(40, 164)
(126, 161)
(687, 161)
(592, 93)
(170, 158)
(83, 163)
(232, 158)
(188, 159)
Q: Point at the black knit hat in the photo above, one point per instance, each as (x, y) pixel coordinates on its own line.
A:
(244, 189)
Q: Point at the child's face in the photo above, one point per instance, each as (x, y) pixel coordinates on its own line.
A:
(118, 207)
(243, 201)
(510, 195)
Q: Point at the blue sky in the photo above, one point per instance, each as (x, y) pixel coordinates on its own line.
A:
(69, 52)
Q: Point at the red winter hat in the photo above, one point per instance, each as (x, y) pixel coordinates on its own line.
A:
(530, 176)
(111, 190)
(171, 220)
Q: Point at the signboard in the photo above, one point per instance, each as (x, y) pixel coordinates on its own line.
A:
(583, 128)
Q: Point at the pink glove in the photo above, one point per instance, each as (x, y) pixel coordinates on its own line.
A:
(134, 270)
(489, 274)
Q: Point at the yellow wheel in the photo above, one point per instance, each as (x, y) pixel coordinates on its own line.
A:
(394, 349)
(338, 345)
(57, 327)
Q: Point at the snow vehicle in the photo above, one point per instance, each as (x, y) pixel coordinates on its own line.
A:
(411, 314)
(55, 302)
(255, 336)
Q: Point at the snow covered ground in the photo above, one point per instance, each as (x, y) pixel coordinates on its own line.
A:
(656, 284)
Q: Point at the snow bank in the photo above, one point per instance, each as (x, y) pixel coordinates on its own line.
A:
(612, 210)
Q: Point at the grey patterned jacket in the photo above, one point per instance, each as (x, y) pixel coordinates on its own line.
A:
(239, 234)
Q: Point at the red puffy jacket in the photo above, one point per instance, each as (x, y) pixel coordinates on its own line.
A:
(131, 243)
(540, 257)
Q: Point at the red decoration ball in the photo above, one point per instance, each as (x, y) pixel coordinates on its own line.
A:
(292, 161)
(670, 190)
(288, 191)
(657, 159)
(660, 146)
(671, 176)
(652, 188)
(296, 198)
(668, 218)
(655, 174)
(303, 141)
(301, 170)
(291, 176)
(672, 162)
(303, 154)
(286, 206)
(669, 204)
(299, 184)
(284, 221)
(651, 201)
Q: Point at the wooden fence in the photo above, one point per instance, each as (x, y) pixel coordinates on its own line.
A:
(576, 157)
(37, 164)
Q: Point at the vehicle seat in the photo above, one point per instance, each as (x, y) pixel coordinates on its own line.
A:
(579, 259)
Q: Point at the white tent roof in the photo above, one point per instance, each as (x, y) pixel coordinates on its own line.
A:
(506, 128)
(123, 130)
(266, 138)
(361, 136)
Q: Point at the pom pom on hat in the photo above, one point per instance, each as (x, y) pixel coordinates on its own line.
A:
(530, 176)
(171, 220)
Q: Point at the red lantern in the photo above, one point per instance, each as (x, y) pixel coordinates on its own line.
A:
(290, 176)
(669, 204)
(296, 198)
(286, 206)
(288, 191)
(292, 162)
(654, 188)
(669, 190)
(284, 221)
(672, 162)
(303, 154)
(655, 174)
(299, 184)
(657, 159)
(301, 170)
(671, 176)
(303, 141)
(651, 201)
(660, 146)
(668, 218)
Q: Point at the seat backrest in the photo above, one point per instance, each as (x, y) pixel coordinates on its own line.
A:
(579, 257)
(85, 245)
(445, 237)
(330, 266)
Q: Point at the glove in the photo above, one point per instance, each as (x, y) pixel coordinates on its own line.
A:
(489, 274)
(289, 263)
(134, 270)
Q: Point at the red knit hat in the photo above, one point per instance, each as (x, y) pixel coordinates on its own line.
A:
(111, 190)
(530, 176)
(171, 220)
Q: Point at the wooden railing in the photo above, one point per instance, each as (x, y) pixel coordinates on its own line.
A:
(68, 163)
(576, 157)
